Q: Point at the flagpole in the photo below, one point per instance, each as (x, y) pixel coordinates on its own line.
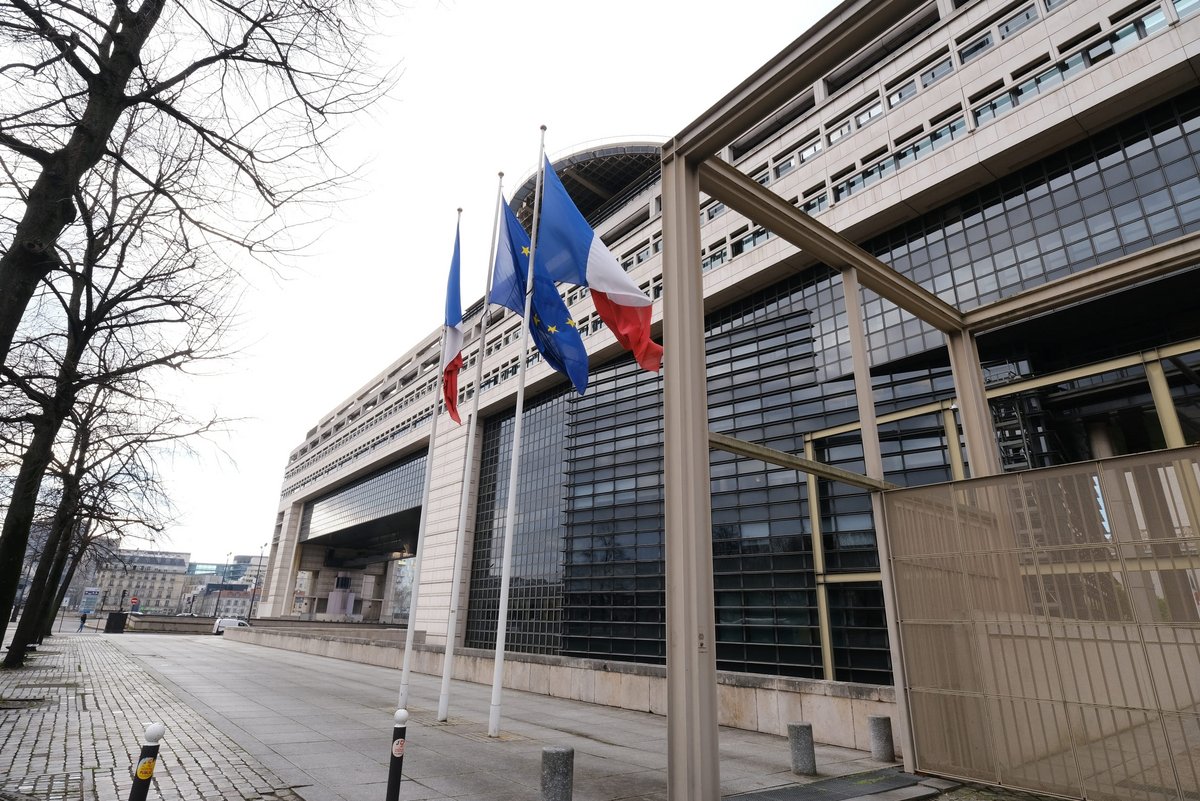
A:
(472, 424)
(514, 463)
(416, 586)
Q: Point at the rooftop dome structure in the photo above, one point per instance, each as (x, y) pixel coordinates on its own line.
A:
(598, 179)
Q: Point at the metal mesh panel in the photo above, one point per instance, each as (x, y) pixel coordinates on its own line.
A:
(1050, 626)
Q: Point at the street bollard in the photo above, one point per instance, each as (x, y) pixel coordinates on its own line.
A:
(397, 761)
(879, 728)
(558, 772)
(804, 754)
(143, 772)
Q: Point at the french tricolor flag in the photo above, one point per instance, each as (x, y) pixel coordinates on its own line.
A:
(452, 336)
(570, 251)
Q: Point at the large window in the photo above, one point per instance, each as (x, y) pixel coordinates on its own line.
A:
(1126, 188)
(535, 592)
(391, 490)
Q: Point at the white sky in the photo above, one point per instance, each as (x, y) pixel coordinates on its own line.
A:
(477, 79)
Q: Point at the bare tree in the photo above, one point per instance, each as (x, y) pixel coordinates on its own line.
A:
(251, 90)
(109, 488)
(132, 296)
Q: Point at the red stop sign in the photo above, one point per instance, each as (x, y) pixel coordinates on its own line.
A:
(133, 600)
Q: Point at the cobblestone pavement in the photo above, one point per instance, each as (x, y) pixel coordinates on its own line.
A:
(71, 723)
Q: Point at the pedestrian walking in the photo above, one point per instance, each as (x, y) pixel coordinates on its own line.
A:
(82, 622)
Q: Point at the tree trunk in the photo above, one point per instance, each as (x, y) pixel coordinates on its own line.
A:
(60, 533)
(63, 586)
(15, 535)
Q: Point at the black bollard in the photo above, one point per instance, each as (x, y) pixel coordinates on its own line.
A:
(397, 761)
(143, 772)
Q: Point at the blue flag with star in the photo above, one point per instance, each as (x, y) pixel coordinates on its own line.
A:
(552, 328)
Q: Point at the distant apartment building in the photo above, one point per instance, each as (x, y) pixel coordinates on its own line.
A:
(156, 579)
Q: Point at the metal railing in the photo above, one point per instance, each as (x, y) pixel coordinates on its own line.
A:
(1050, 626)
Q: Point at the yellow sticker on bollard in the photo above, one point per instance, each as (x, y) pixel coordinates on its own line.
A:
(145, 768)
(398, 747)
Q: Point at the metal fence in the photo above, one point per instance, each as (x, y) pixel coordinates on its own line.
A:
(1050, 626)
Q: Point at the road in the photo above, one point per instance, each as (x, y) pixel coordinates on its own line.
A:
(324, 726)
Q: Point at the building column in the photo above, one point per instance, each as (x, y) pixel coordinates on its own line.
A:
(693, 770)
(818, 551)
(973, 409)
(873, 462)
(1164, 405)
(953, 447)
(284, 562)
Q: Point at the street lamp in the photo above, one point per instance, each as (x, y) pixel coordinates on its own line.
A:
(257, 578)
(221, 586)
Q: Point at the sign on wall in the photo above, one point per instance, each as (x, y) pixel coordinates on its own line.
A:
(90, 600)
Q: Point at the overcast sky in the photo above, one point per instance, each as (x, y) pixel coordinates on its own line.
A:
(476, 81)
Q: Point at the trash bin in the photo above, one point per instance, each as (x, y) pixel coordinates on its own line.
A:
(115, 624)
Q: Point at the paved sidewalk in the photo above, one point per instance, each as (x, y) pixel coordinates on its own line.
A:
(72, 721)
(248, 723)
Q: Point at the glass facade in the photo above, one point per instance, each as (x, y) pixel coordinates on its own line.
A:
(1131, 186)
(613, 559)
(588, 570)
(535, 592)
(396, 488)
(608, 536)
(777, 370)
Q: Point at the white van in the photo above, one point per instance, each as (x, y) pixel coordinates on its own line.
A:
(223, 623)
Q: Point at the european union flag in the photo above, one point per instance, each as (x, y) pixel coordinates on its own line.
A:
(553, 330)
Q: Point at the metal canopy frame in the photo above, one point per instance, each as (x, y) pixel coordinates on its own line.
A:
(691, 165)
(750, 450)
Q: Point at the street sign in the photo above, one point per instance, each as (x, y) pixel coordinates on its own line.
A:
(91, 600)
(133, 604)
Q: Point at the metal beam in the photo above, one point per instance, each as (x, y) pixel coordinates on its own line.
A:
(824, 619)
(1164, 405)
(849, 578)
(1143, 266)
(864, 394)
(978, 429)
(722, 442)
(950, 426)
(749, 198)
(693, 767)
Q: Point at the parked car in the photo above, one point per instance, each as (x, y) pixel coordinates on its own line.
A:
(223, 623)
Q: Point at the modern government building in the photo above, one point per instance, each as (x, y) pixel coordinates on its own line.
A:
(1034, 167)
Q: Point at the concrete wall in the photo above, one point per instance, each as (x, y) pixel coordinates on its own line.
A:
(160, 624)
(838, 710)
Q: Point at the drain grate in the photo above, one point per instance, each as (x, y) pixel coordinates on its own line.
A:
(836, 789)
(430, 719)
(21, 703)
(29, 684)
(481, 736)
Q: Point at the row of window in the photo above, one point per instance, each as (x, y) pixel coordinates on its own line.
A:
(394, 489)
(909, 154)
(392, 433)
(1005, 29)
(896, 93)
(408, 399)
(1116, 42)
